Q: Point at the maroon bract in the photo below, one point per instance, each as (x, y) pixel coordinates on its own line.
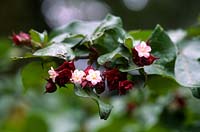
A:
(21, 39)
(63, 77)
(50, 86)
(66, 65)
(117, 80)
(64, 73)
(113, 77)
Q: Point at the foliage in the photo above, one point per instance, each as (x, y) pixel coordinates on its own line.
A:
(106, 45)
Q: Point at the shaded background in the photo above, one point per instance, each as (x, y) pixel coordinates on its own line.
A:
(45, 14)
(62, 111)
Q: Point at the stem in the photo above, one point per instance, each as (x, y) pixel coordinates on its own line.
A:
(81, 57)
(142, 72)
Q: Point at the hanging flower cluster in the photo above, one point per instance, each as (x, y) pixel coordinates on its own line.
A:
(92, 78)
(89, 78)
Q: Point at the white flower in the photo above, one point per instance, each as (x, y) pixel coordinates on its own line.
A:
(77, 76)
(53, 74)
(143, 49)
(94, 76)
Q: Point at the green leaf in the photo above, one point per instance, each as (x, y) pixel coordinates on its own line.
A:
(128, 43)
(187, 64)
(119, 52)
(108, 42)
(39, 37)
(165, 50)
(70, 40)
(33, 77)
(164, 70)
(104, 109)
(186, 71)
(28, 59)
(162, 46)
(77, 27)
(142, 35)
(155, 83)
(90, 29)
(60, 50)
(109, 22)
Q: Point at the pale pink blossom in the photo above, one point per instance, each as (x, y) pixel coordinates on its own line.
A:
(94, 76)
(143, 49)
(52, 74)
(78, 76)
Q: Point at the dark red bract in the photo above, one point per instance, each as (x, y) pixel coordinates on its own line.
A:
(113, 77)
(63, 77)
(117, 80)
(21, 39)
(64, 73)
(66, 65)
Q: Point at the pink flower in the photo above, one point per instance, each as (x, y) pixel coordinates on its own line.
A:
(143, 49)
(93, 76)
(141, 54)
(52, 74)
(78, 76)
(93, 79)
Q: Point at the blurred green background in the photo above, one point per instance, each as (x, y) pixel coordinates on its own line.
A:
(171, 109)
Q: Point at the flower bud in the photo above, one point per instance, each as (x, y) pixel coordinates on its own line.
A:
(124, 86)
(21, 39)
(50, 86)
(100, 87)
